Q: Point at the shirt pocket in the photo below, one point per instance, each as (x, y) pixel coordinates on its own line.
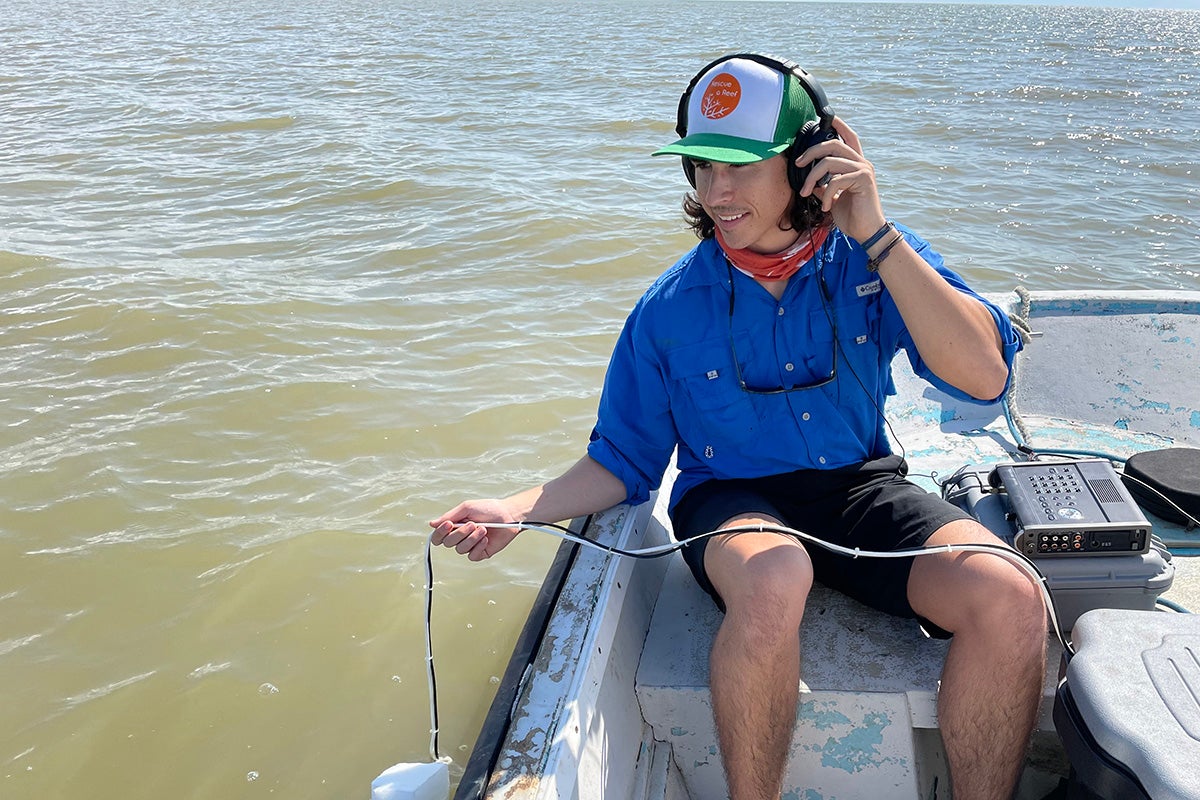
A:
(714, 417)
(862, 366)
(857, 337)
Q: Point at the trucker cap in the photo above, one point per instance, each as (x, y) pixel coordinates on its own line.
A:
(740, 111)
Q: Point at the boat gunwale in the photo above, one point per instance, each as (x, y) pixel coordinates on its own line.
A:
(481, 764)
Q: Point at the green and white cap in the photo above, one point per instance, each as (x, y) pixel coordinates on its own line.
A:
(741, 111)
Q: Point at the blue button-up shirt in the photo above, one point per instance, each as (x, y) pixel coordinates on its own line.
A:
(671, 381)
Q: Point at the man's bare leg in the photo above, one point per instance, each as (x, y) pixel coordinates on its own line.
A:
(764, 580)
(992, 679)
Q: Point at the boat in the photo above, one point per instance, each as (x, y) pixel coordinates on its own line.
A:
(606, 694)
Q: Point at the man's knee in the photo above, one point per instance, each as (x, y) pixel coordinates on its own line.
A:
(1015, 603)
(763, 578)
(987, 591)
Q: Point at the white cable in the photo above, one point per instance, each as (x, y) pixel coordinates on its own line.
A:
(1003, 551)
(1188, 517)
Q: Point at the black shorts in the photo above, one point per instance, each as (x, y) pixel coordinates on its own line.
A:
(871, 506)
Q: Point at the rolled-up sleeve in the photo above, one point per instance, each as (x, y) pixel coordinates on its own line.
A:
(634, 434)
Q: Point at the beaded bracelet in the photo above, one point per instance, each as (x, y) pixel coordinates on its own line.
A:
(873, 264)
(879, 234)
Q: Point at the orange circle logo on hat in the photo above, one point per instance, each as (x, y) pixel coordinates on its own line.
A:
(721, 97)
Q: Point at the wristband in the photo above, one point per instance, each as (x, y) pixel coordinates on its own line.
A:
(879, 234)
(873, 264)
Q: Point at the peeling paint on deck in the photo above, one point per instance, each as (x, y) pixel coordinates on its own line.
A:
(1086, 384)
(822, 719)
(808, 794)
(858, 749)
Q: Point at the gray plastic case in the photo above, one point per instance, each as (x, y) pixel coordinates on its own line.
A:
(1134, 682)
(1077, 583)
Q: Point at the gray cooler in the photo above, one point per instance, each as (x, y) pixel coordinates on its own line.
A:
(1128, 710)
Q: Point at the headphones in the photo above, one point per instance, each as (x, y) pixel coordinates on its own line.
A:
(811, 133)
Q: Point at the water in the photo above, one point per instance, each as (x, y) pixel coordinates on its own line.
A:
(280, 284)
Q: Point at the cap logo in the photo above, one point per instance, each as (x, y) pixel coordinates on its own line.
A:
(721, 97)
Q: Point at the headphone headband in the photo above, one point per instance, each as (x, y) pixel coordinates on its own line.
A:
(810, 84)
(812, 132)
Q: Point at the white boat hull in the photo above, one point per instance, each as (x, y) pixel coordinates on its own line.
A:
(614, 702)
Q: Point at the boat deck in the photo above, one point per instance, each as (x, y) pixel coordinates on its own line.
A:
(868, 714)
(621, 677)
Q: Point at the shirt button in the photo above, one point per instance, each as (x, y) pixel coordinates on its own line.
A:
(781, 312)
(821, 459)
(805, 416)
(789, 366)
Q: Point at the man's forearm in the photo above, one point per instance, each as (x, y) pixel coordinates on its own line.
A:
(585, 488)
(954, 333)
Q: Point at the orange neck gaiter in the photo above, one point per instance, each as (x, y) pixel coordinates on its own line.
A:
(776, 266)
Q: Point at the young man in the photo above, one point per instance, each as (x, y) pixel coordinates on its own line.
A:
(763, 357)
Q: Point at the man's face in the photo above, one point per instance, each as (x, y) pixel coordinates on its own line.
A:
(748, 203)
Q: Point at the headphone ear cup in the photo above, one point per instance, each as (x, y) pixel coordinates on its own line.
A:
(811, 134)
(806, 137)
(689, 169)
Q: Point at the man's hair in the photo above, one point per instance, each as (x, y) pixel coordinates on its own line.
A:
(806, 215)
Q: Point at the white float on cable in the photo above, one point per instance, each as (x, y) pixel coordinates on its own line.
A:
(428, 781)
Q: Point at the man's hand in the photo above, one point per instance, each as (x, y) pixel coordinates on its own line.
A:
(585, 488)
(844, 180)
(459, 528)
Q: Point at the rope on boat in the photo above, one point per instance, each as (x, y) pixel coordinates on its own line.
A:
(1020, 321)
(1171, 604)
